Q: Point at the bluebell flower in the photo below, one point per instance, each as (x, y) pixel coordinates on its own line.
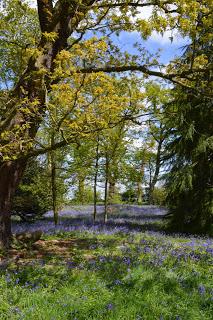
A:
(127, 260)
(102, 259)
(201, 289)
(118, 282)
(70, 264)
(110, 306)
(16, 310)
(147, 249)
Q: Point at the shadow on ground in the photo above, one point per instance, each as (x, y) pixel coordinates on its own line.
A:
(58, 251)
(125, 219)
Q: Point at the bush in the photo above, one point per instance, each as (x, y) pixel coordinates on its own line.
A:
(87, 196)
(32, 198)
(159, 196)
(129, 196)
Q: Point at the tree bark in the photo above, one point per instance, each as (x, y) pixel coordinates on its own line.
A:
(139, 184)
(154, 180)
(95, 180)
(106, 189)
(139, 192)
(111, 190)
(54, 184)
(81, 190)
(10, 175)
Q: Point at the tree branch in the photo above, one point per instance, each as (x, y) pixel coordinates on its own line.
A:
(136, 4)
(45, 13)
(173, 77)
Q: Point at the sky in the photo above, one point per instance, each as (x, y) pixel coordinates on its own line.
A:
(156, 41)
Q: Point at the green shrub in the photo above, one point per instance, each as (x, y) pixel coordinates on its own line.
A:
(32, 198)
(159, 196)
(129, 196)
(87, 196)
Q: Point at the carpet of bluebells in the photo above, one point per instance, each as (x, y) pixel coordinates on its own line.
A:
(127, 269)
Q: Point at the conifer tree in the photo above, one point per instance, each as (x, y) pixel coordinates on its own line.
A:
(190, 153)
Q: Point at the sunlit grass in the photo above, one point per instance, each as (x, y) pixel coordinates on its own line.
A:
(85, 275)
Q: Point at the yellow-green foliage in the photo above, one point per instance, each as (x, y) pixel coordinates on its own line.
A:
(93, 101)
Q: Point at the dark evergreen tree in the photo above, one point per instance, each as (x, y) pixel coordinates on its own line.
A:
(190, 150)
(189, 183)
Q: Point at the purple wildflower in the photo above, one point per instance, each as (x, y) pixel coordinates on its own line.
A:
(110, 306)
(146, 249)
(102, 259)
(201, 289)
(127, 261)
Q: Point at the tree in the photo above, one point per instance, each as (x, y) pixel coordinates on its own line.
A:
(157, 134)
(136, 171)
(113, 147)
(96, 168)
(33, 197)
(58, 51)
(80, 167)
(190, 181)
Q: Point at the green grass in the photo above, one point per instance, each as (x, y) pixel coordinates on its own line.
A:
(126, 277)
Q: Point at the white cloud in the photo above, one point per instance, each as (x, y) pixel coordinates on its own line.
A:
(177, 39)
(164, 39)
(145, 12)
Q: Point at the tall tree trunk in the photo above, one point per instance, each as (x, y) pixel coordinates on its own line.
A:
(154, 180)
(95, 180)
(12, 171)
(32, 87)
(139, 185)
(53, 181)
(139, 192)
(54, 189)
(81, 190)
(10, 175)
(111, 190)
(106, 189)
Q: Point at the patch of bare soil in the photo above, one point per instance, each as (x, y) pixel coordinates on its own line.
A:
(47, 250)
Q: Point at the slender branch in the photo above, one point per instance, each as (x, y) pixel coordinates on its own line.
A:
(136, 4)
(72, 139)
(141, 68)
(173, 77)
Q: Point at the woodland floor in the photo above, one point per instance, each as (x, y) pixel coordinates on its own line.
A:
(128, 269)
